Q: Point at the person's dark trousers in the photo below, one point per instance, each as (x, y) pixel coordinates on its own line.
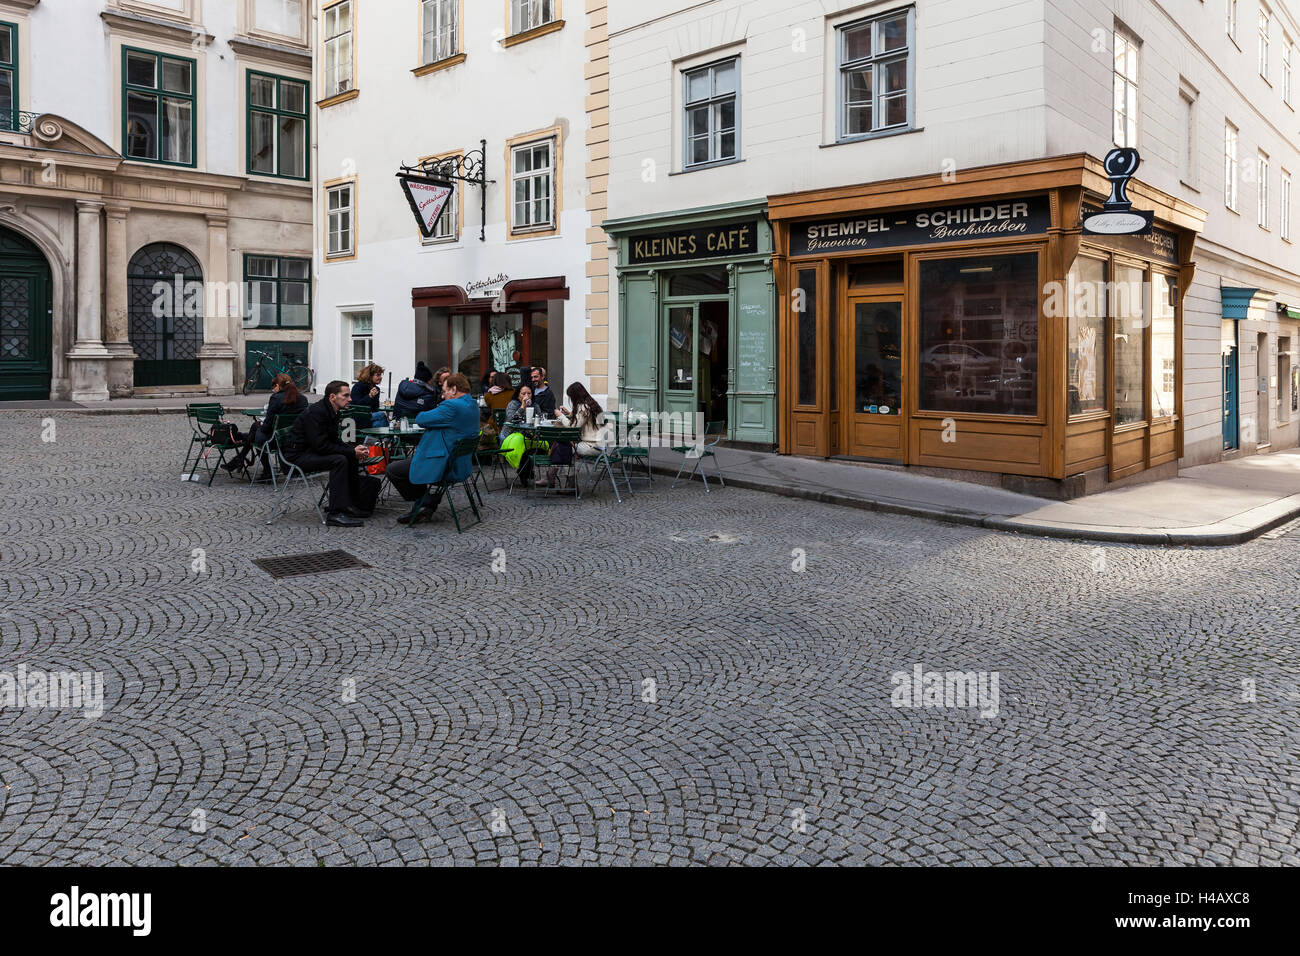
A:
(345, 481)
(399, 474)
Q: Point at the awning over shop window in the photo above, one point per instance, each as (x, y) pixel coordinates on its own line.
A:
(520, 295)
(1293, 314)
(1236, 302)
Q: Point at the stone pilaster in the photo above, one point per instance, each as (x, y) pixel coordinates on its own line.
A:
(217, 357)
(117, 327)
(88, 359)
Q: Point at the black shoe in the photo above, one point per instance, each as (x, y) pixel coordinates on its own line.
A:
(343, 520)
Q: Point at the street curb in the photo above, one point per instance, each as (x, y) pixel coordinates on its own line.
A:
(1004, 523)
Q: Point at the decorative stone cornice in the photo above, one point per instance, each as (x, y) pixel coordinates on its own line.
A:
(273, 53)
(19, 4)
(137, 25)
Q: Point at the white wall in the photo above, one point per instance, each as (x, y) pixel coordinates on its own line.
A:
(496, 94)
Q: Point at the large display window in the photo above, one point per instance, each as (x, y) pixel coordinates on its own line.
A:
(979, 334)
(1086, 337)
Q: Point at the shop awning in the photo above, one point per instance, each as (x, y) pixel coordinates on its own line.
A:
(520, 295)
(1236, 301)
(1293, 314)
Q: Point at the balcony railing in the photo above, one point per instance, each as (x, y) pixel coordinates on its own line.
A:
(15, 121)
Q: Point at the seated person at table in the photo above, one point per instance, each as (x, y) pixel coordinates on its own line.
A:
(516, 411)
(586, 414)
(456, 418)
(285, 397)
(313, 445)
(543, 397)
(415, 395)
(501, 393)
(366, 393)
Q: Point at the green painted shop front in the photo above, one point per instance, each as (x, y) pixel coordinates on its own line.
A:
(697, 317)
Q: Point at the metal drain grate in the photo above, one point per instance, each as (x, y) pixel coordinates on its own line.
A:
(321, 562)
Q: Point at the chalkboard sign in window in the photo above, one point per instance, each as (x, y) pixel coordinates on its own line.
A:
(806, 324)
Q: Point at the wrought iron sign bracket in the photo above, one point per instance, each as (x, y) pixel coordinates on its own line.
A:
(469, 168)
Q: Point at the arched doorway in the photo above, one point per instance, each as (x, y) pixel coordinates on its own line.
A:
(26, 319)
(166, 301)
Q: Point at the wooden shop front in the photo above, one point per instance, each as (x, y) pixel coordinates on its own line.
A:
(967, 324)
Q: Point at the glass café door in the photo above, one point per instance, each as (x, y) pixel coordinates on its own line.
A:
(679, 360)
(874, 377)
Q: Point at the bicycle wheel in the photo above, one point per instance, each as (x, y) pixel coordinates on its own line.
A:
(251, 382)
(301, 376)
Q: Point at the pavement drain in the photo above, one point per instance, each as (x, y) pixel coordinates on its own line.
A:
(318, 562)
(706, 537)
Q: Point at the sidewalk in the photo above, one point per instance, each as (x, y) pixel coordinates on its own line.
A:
(1219, 504)
(139, 406)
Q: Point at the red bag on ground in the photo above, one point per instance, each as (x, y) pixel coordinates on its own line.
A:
(377, 451)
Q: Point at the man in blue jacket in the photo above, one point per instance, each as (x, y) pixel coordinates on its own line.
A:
(456, 417)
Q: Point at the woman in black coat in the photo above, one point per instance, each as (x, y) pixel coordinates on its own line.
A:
(285, 398)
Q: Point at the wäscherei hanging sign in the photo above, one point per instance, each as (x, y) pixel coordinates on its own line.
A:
(427, 197)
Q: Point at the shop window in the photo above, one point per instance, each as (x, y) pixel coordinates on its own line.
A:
(709, 282)
(1086, 376)
(362, 329)
(1164, 296)
(979, 335)
(158, 108)
(681, 348)
(805, 317)
(1130, 326)
(875, 61)
(887, 271)
(878, 371)
(710, 101)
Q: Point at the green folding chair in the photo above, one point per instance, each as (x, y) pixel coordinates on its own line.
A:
(267, 455)
(544, 459)
(638, 455)
(601, 466)
(287, 492)
(204, 420)
(197, 435)
(715, 431)
(463, 448)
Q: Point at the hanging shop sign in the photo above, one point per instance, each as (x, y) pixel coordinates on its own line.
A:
(1158, 244)
(998, 219)
(700, 242)
(427, 197)
(1117, 216)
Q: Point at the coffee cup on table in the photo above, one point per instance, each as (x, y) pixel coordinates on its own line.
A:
(528, 414)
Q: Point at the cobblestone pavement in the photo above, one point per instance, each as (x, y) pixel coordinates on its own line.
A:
(507, 716)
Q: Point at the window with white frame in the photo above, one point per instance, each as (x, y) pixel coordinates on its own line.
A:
(1261, 201)
(1287, 55)
(1265, 27)
(532, 185)
(710, 98)
(1126, 88)
(438, 30)
(361, 327)
(1284, 213)
(875, 70)
(339, 220)
(527, 15)
(336, 30)
(281, 17)
(1187, 171)
(1230, 23)
(1230, 166)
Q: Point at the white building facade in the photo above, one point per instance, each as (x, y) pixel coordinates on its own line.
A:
(786, 116)
(492, 91)
(155, 198)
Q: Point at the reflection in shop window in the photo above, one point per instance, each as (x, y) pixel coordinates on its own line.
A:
(706, 282)
(1130, 324)
(878, 368)
(806, 322)
(1164, 293)
(979, 335)
(1086, 376)
(681, 348)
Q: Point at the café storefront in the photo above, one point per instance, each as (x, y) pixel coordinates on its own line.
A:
(697, 317)
(969, 325)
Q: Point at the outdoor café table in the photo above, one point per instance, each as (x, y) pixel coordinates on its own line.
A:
(537, 433)
(395, 438)
(254, 412)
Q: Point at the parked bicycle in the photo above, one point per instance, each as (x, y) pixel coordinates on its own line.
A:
(298, 371)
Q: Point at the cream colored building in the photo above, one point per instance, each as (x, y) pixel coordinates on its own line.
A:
(141, 141)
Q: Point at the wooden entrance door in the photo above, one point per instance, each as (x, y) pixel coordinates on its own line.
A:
(871, 377)
(26, 323)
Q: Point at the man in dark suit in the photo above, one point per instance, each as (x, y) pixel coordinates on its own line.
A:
(314, 445)
(455, 418)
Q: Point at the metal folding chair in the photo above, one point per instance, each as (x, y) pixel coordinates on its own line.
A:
(286, 491)
(601, 466)
(461, 449)
(197, 436)
(714, 430)
(638, 455)
(204, 420)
